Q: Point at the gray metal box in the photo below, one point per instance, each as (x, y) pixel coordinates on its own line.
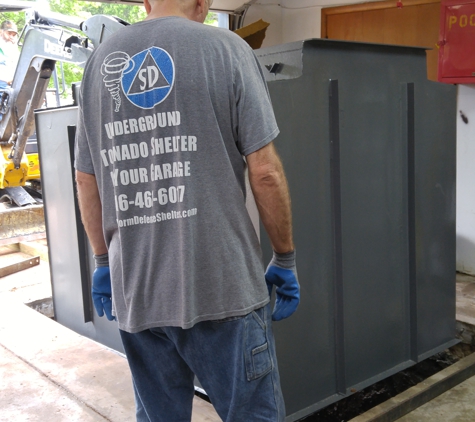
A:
(70, 255)
(368, 144)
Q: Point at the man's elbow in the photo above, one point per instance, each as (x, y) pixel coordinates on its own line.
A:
(265, 167)
(267, 177)
(84, 179)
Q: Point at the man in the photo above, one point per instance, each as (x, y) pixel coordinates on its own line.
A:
(169, 109)
(8, 53)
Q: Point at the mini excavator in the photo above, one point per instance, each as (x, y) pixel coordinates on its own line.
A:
(46, 39)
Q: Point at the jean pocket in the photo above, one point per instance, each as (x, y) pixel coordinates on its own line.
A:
(257, 355)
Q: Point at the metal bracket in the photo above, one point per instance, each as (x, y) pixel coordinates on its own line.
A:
(18, 195)
(19, 266)
(274, 68)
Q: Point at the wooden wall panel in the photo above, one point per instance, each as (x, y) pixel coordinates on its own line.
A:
(415, 24)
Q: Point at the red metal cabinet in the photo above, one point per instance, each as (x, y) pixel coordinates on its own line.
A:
(457, 42)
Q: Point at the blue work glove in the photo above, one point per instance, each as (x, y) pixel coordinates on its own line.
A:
(282, 273)
(101, 287)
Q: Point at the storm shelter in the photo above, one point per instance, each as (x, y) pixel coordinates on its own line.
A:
(368, 145)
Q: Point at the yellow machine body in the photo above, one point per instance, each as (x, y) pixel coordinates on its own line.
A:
(33, 166)
(9, 175)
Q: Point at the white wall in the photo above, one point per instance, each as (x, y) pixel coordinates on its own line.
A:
(466, 180)
(270, 12)
(288, 22)
(300, 23)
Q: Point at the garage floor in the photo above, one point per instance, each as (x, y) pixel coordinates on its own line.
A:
(50, 373)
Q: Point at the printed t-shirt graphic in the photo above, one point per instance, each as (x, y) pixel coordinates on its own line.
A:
(148, 78)
(163, 228)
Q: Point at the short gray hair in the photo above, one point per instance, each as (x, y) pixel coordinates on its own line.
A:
(9, 26)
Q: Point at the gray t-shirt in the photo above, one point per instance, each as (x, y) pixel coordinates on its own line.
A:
(169, 109)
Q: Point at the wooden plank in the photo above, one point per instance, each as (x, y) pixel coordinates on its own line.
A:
(412, 26)
(35, 249)
(26, 238)
(421, 393)
(19, 266)
(11, 248)
(416, 24)
(363, 7)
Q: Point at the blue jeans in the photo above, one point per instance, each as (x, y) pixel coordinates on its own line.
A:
(234, 359)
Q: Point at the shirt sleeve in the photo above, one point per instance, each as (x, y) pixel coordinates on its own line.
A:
(256, 123)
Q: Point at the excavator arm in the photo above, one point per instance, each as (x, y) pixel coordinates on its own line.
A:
(45, 40)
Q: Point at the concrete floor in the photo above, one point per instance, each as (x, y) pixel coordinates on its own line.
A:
(50, 373)
(455, 405)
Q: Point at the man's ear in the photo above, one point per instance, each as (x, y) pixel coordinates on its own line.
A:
(148, 7)
(201, 10)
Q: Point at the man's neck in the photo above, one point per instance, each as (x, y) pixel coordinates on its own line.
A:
(165, 9)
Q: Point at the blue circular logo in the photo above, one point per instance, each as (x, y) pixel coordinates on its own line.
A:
(149, 77)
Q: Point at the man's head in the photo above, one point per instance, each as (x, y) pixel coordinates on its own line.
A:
(9, 31)
(195, 10)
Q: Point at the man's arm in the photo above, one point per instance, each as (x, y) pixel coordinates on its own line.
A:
(91, 211)
(271, 192)
(91, 215)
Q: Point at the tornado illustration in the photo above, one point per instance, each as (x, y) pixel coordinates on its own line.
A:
(112, 67)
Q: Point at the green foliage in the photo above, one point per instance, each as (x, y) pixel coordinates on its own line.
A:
(18, 18)
(212, 19)
(130, 14)
(68, 7)
(72, 73)
(86, 9)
